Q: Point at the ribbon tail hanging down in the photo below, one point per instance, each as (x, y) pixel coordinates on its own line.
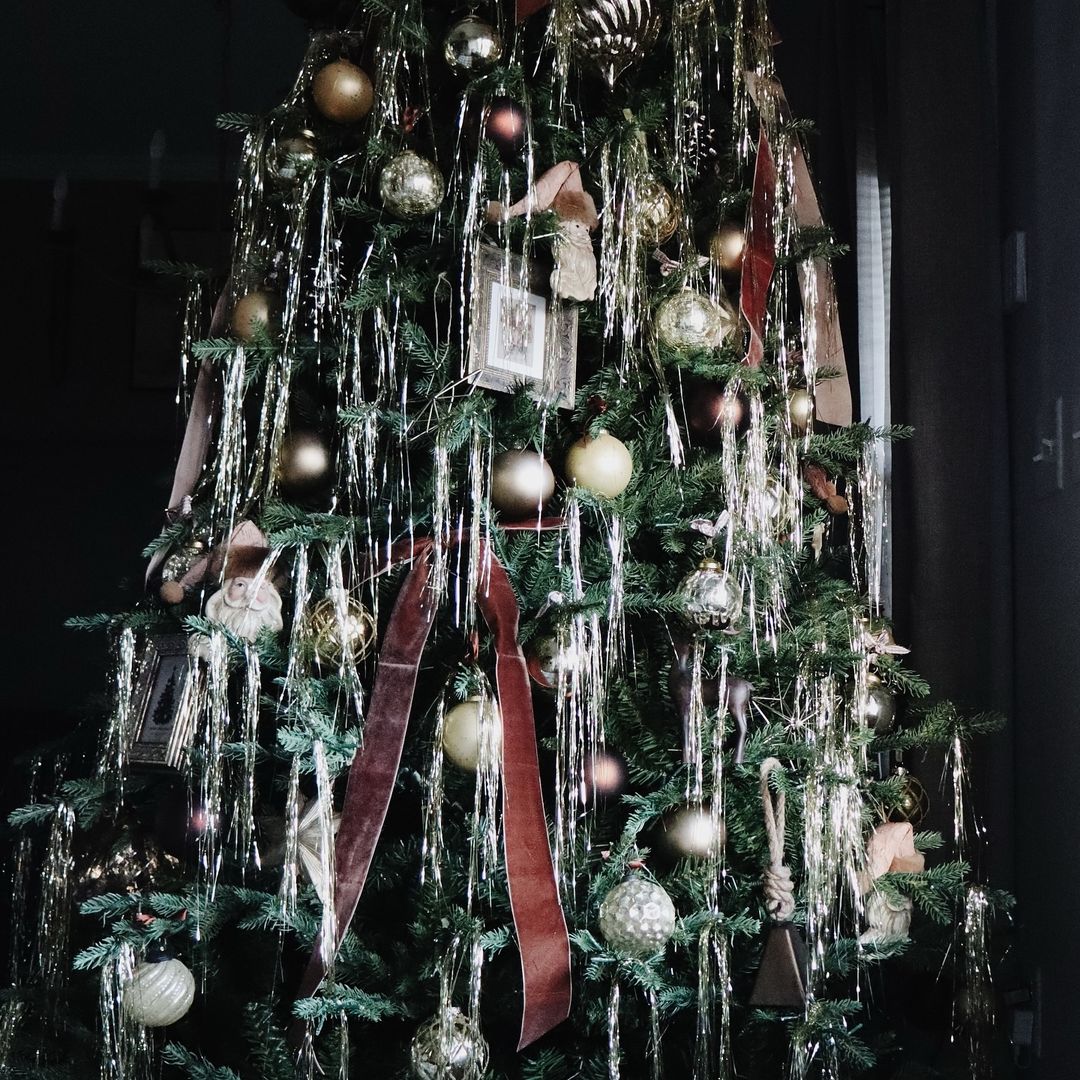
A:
(759, 258)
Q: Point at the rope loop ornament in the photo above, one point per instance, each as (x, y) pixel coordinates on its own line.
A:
(779, 887)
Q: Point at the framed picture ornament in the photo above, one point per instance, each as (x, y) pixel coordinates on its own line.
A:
(519, 333)
(162, 720)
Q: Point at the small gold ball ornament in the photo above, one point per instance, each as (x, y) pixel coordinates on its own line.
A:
(410, 186)
(710, 597)
(689, 319)
(727, 246)
(304, 462)
(333, 638)
(472, 46)
(914, 803)
(521, 483)
(292, 156)
(342, 92)
(466, 727)
(602, 465)
(609, 37)
(254, 315)
(655, 212)
(877, 707)
(692, 832)
(800, 410)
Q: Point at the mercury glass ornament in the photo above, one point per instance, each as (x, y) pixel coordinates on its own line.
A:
(691, 320)
(546, 661)
(472, 46)
(914, 803)
(342, 92)
(161, 991)
(449, 1047)
(610, 35)
(602, 465)
(655, 213)
(521, 483)
(292, 156)
(411, 186)
(710, 597)
(877, 707)
(332, 639)
(637, 917)
(465, 727)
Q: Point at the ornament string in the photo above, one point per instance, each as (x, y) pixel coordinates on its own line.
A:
(779, 888)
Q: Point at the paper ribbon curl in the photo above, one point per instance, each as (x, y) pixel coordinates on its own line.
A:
(538, 917)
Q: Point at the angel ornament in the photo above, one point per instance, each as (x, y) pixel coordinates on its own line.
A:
(560, 189)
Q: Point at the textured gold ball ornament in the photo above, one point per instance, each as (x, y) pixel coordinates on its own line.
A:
(472, 46)
(161, 991)
(303, 463)
(914, 803)
(410, 186)
(254, 315)
(342, 92)
(655, 213)
(637, 918)
(691, 832)
(877, 707)
(602, 465)
(800, 410)
(292, 156)
(610, 35)
(727, 246)
(450, 1047)
(353, 636)
(711, 598)
(465, 728)
(689, 319)
(521, 483)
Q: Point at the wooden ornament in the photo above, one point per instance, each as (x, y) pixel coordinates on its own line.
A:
(781, 978)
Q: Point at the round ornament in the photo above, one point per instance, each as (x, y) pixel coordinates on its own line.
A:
(709, 597)
(604, 775)
(175, 566)
(691, 832)
(254, 315)
(521, 483)
(449, 1047)
(130, 862)
(709, 409)
(655, 212)
(610, 35)
(472, 46)
(877, 707)
(292, 156)
(342, 92)
(410, 186)
(546, 662)
(602, 465)
(506, 124)
(303, 463)
(465, 728)
(637, 917)
(727, 246)
(161, 991)
(800, 410)
(354, 635)
(914, 803)
(691, 320)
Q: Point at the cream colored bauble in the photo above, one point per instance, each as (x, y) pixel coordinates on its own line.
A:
(466, 726)
(602, 465)
(160, 992)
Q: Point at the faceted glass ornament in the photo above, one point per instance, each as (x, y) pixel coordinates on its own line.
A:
(472, 46)
(692, 320)
(449, 1048)
(410, 186)
(877, 707)
(710, 597)
(637, 917)
(914, 803)
(160, 992)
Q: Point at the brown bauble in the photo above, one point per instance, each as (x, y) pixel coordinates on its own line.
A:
(254, 315)
(342, 92)
(521, 483)
(800, 410)
(709, 408)
(172, 592)
(727, 246)
(304, 462)
(506, 124)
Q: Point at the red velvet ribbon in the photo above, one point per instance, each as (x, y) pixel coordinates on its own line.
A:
(534, 896)
(759, 258)
(524, 8)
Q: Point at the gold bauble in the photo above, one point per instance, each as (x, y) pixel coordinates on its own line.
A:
(610, 35)
(877, 706)
(914, 803)
(472, 46)
(254, 315)
(602, 465)
(410, 186)
(689, 319)
(691, 832)
(342, 92)
(727, 245)
(521, 483)
(354, 634)
(655, 213)
(800, 410)
(292, 156)
(304, 462)
(466, 726)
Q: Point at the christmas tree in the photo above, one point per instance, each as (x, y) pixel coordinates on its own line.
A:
(511, 694)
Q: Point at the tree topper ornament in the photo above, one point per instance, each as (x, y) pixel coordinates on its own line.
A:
(560, 189)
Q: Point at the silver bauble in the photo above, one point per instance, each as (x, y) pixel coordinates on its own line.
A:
(610, 35)
(449, 1047)
(410, 186)
(472, 46)
(291, 156)
(160, 992)
(521, 483)
(691, 320)
(877, 707)
(637, 917)
(710, 597)
(550, 663)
